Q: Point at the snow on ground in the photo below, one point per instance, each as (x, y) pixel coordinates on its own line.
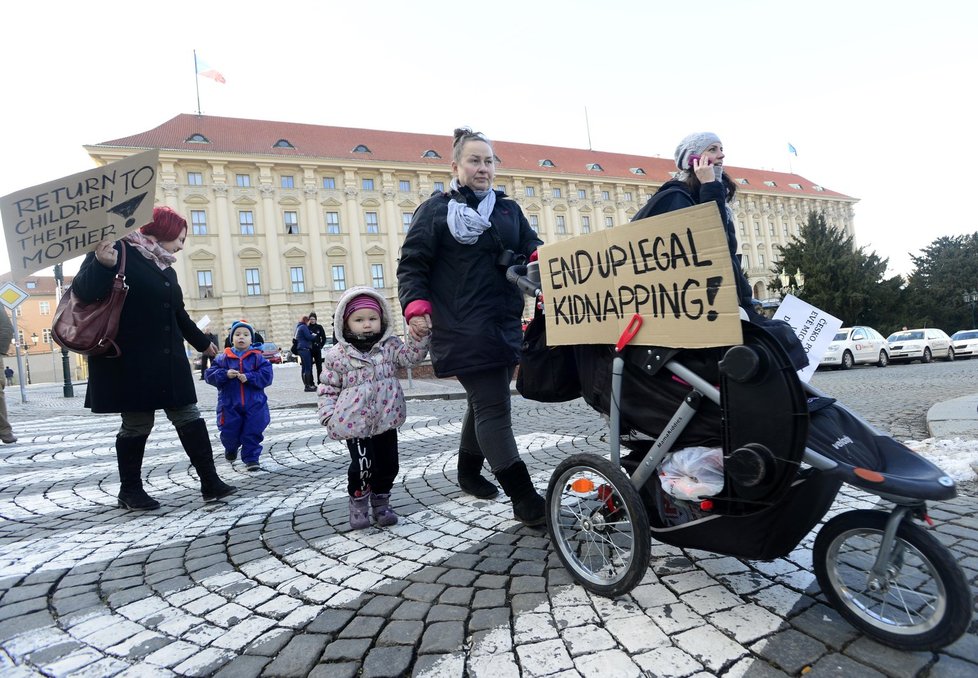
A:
(955, 456)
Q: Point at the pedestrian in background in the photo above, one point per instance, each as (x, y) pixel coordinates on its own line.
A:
(303, 343)
(6, 336)
(204, 358)
(241, 375)
(152, 371)
(452, 278)
(318, 344)
(361, 400)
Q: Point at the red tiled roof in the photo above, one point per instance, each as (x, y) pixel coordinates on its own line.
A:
(258, 137)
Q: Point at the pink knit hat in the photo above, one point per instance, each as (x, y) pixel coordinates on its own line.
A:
(361, 301)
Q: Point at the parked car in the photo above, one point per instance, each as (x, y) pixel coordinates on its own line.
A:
(922, 344)
(856, 345)
(965, 343)
(271, 352)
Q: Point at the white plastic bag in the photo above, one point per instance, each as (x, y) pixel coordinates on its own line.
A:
(693, 473)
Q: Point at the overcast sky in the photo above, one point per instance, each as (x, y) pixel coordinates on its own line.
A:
(873, 95)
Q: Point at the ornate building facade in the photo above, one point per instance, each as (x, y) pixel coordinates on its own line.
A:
(285, 216)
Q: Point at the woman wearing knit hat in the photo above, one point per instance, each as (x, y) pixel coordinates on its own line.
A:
(152, 371)
(452, 274)
(303, 340)
(700, 179)
(361, 401)
(241, 373)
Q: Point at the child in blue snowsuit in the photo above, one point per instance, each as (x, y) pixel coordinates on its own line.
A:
(241, 375)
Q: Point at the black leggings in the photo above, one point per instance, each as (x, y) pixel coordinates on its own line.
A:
(373, 463)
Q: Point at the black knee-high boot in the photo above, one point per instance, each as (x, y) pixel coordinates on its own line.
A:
(197, 444)
(528, 507)
(470, 478)
(129, 455)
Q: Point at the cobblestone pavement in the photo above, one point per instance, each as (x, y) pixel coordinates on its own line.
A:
(273, 582)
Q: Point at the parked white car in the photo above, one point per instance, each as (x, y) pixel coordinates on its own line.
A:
(922, 344)
(856, 346)
(965, 343)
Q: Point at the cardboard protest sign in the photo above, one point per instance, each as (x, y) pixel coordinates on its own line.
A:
(674, 270)
(815, 329)
(62, 219)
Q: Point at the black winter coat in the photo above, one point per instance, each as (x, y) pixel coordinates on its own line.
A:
(675, 195)
(153, 371)
(476, 313)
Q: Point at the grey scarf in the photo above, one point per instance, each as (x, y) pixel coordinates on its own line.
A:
(465, 223)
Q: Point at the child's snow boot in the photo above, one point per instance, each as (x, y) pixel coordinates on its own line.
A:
(360, 510)
(383, 513)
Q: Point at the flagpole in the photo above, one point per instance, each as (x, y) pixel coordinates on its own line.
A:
(197, 82)
(587, 124)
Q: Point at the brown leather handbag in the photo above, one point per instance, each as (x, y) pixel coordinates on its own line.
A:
(91, 328)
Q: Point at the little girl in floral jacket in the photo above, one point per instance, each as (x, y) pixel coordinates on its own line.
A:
(361, 401)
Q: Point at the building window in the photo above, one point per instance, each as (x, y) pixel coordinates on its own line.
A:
(529, 191)
(743, 230)
(770, 183)
(557, 193)
(205, 284)
(534, 222)
(561, 225)
(46, 335)
(784, 230)
(298, 280)
(252, 282)
(609, 222)
(406, 221)
(45, 307)
(440, 186)
(585, 224)
(242, 180)
(288, 181)
(760, 260)
(501, 187)
(197, 139)
(547, 163)
(770, 229)
(291, 222)
(744, 261)
(377, 275)
(332, 223)
(605, 195)
(582, 194)
(339, 278)
(404, 185)
(627, 195)
(636, 170)
(594, 167)
(360, 148)
(246, 221)
(367, 184)
(195, 178)
(198, 222)
(329, 182)
(372, 225)
(430, 154)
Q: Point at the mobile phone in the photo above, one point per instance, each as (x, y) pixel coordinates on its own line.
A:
(694, 156)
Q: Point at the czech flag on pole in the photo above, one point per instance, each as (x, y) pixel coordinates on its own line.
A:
(204, 69)
(791, 149)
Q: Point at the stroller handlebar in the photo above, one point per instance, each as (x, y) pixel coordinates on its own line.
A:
(518, 275)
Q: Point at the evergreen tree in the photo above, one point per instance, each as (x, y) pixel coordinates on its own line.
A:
(943, 272)
(839, 278)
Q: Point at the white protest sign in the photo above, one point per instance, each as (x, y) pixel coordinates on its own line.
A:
(203, 323)
(815, 329)
(62, 219)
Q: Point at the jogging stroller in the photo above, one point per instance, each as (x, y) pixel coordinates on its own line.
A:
(786, 451)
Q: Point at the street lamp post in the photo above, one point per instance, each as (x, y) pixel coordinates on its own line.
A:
(791, 284)
(27, 361)
(971, 298)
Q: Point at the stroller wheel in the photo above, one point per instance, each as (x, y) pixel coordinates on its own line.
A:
(598, 524)
(922, 603)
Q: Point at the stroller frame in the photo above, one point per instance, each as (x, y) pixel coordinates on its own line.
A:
(912, 595)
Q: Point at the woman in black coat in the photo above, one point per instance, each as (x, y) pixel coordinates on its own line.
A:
(451, 278)
(152, 371)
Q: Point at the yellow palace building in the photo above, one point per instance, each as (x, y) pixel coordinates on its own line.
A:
(285, 216)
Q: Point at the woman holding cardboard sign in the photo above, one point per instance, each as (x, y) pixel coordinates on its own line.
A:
(452, 279)
(701, 179)
(151, 372)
